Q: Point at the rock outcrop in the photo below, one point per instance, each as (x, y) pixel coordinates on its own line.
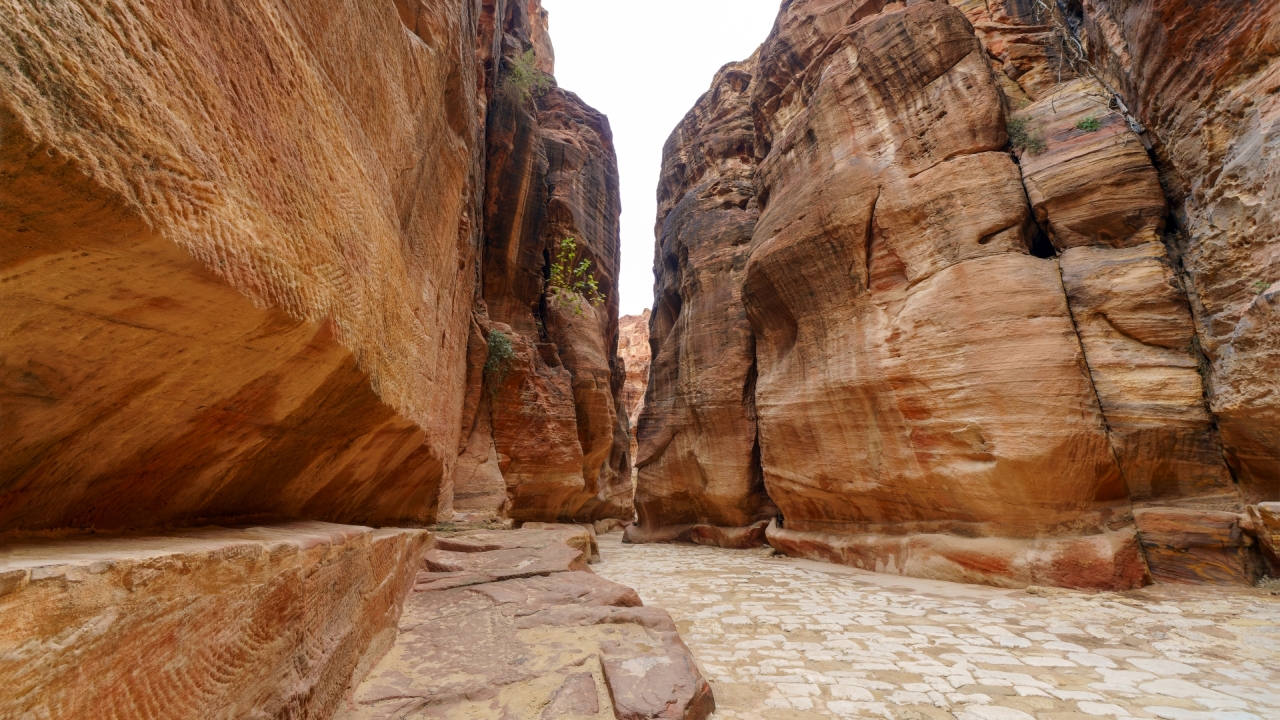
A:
(699, 466)
(514, 624)
(237, 253)
(633, 350)
(245, 259)
(973, 278)
(552, 177)
(268, 621)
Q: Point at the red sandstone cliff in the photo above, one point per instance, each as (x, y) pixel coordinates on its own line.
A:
(967, 362)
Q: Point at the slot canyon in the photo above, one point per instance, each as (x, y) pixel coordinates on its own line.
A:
(957, 395)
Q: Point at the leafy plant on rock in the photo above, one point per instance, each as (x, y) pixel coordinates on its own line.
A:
(1089, 124)
(523, 75)
(1025, 137)
(498, 366)
(1260, 287)
(571, 276)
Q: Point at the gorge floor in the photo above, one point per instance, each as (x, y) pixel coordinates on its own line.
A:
(784, 639)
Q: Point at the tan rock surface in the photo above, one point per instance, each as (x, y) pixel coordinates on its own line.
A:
(1135, 325)
(210, 622)
(697, 454)
(906, 340)
(557, 641)
(633, 350)
(236, 251)
(1202, 79)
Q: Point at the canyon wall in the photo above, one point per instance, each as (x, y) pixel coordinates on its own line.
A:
(247, 251)
(970, 287)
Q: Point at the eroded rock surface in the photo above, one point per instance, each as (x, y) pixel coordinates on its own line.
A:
(266, 621)
(978, 338)
(236, 254)
(699, 466)
(539, 636)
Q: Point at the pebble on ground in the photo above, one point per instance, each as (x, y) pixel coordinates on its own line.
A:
(784, 639)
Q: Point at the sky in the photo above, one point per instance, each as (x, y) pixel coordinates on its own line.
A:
(644, 64)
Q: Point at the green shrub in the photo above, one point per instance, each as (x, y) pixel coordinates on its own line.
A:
(1260, 287)
(1089, 124)
(498, 366)
(525, 77)
(571, 276)
(1024, 137)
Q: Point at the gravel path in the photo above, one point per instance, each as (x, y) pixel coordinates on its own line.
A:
(784, 639)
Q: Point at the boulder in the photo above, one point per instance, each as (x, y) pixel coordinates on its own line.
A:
(209, 622)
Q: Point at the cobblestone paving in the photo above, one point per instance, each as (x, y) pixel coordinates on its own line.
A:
(784, 639)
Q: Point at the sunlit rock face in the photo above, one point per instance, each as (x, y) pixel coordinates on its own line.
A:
(236, 257)
(980, 285)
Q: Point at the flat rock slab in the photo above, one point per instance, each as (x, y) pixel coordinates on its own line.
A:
(512, 624)
(201, 623)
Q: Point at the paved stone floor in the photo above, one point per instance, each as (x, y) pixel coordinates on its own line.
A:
(784, 639)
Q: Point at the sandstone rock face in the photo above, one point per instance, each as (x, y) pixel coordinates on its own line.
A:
(532, 633)
(633, 350)
(698, 459)
(212, 622)
(554, 414)
(973, 363)
(237, 260)
(906, 339)
(1202, 79)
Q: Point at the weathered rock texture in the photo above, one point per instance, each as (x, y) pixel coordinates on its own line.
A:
(966, 362)
(558, 430)
(213, 622)
(633, 350)
(514, 624)
(699, 465)
(243, 260)
(237, 251)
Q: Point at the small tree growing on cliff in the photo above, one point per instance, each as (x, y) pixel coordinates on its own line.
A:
(498, 366)
(571, 276)
(1025, 137)
(525, 77)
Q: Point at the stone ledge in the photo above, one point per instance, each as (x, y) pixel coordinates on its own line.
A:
(208, 622)
(1108, 561)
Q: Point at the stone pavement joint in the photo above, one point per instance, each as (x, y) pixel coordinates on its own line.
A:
(784, 639)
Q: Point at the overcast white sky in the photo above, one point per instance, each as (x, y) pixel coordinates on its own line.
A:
(644, 64)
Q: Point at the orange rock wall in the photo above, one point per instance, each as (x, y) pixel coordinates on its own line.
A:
(237, 253)
(242, 263)
(963, 332)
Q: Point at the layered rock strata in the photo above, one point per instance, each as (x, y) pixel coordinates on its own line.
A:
(515, 624)
(973, 364)
(699, 467)
(213, 622)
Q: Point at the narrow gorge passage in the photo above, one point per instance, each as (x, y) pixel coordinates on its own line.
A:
(789, 639)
